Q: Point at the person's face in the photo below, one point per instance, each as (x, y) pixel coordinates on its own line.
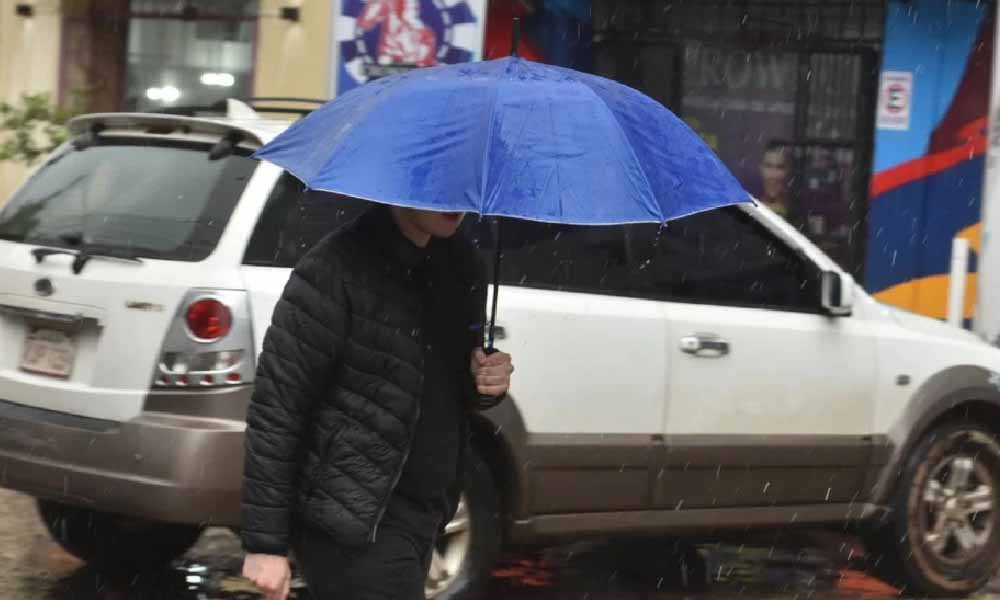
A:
(435, 224)
(774, 173)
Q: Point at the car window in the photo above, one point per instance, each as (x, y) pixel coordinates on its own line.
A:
(294, 220)
(560, 257)
(721, 257)
(166, 200)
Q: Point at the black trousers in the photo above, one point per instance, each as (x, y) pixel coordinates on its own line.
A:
(393, 568)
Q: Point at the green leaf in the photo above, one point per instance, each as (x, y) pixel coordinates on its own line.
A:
(34, 126)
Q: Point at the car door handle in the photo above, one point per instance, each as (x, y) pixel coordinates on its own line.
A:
(499, 331)
(705, 345)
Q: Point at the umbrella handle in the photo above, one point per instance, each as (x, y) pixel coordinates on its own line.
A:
(485, 400)
(488, 347)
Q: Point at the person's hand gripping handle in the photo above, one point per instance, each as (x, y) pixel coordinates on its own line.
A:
(491, 370)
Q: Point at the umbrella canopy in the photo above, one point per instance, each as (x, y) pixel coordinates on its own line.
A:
(510, 138)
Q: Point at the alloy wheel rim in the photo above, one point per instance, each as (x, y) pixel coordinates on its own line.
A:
(450, 552)
(957, 507)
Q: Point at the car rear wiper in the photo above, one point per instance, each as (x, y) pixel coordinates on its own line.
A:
(83, 255)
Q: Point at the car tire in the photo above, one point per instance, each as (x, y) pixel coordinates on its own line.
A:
(943, 534)
(465, 556)
(115, 543)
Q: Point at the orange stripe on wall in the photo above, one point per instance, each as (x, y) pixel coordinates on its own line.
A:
(929, 296)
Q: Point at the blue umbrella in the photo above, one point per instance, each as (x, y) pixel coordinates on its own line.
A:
(508, 138)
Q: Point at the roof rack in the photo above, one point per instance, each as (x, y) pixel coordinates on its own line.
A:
(264, 104)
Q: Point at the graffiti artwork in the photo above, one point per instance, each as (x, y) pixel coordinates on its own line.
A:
(381, 37)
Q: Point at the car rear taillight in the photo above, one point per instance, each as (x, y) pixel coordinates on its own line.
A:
(208, 320)
(210, 342)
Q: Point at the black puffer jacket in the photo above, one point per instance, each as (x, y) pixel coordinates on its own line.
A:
(339, 383)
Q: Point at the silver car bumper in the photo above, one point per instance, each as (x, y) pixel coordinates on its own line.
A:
(180, 461)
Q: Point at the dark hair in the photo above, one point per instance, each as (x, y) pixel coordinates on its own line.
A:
(774, 145)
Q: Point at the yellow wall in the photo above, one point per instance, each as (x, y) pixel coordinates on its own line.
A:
(29, 63)
(293, 59)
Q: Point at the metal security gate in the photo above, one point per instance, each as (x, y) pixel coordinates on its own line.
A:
(784, 91)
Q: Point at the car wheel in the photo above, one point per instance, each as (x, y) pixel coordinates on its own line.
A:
(465, 555)
(944, 533)
(115, 543)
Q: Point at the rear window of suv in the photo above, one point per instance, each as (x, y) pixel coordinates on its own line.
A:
(154, 199)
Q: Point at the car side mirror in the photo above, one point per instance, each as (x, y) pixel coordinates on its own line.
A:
(837, 293)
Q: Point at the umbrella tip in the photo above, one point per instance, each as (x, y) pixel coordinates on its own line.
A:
(515, 36)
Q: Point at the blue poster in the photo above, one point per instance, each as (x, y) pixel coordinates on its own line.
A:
(376, 38)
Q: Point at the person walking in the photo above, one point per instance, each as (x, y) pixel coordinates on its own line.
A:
(357, 432)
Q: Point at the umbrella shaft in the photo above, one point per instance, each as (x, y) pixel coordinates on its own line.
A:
(498, 250)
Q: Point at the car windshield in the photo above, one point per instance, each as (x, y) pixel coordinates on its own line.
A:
(166, 200)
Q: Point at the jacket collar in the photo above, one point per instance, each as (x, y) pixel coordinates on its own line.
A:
(389, 240)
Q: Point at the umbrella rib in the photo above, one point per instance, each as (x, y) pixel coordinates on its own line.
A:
(628, 145)
(558, 177)
(486, 151)
(518, 137)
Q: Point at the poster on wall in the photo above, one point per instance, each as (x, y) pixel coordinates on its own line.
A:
(894, 99)
(375, 38)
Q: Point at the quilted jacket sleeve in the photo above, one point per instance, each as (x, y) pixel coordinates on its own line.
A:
(294, 369)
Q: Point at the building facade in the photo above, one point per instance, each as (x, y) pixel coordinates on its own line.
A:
(863, 122)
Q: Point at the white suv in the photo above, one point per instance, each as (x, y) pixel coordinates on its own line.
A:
(710, 376)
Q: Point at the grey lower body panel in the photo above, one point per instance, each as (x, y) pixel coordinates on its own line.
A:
(601, 473)
(162, 465)
(697, 522)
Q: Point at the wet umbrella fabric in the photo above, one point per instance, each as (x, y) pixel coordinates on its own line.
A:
(508, 138)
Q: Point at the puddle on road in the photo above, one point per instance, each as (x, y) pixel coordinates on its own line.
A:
(817, 568)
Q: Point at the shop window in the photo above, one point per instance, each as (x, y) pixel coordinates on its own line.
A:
(782, 90)
(193, 55)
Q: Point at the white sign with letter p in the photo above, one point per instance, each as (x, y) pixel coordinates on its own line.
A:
(895, 98)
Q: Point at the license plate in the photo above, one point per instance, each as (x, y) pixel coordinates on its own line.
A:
(49, 352)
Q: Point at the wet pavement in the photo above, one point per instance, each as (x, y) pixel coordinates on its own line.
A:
(789, 565)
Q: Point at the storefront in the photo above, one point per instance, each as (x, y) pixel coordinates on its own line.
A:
(155, 55)
(782, 90)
